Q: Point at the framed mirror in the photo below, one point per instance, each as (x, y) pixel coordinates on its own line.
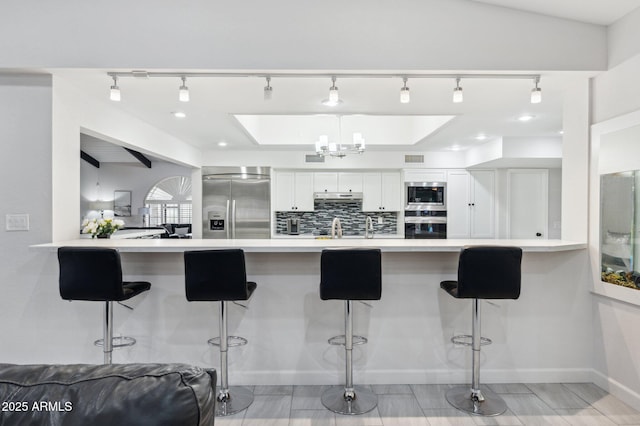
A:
(122, 203)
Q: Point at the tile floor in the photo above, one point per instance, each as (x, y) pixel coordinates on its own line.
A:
(425, 405)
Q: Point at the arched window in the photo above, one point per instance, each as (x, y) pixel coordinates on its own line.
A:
(169, 201)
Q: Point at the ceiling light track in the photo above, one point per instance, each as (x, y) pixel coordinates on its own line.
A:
(332, 76)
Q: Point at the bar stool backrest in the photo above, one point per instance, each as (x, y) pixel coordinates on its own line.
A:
(350, 274)
(489, 272)
(215, 275)
(90, 273)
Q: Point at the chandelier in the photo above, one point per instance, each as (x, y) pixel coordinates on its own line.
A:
(338, 149)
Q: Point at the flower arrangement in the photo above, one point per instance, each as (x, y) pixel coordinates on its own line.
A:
(102, 228)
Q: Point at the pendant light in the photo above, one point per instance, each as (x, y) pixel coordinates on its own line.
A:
(405, 95)
(268, 90)
(183, 94)
(536, 92)
(334, 96)
(457, 92)
(114, 93)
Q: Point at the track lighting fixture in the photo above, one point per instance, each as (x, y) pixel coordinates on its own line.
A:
(114, 93)
(334, 97)
(268, 90)
(405, 96)
(457, 92)
(536, 92)
(184, 91)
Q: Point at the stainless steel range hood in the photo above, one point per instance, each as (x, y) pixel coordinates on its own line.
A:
(337, 196)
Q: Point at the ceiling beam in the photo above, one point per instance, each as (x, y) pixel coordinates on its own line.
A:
(89, 159)
(140, 157)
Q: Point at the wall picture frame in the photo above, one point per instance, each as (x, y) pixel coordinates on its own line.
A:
(122, 203)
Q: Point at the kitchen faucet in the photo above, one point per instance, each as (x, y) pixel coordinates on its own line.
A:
(368, 228)
(335, 225)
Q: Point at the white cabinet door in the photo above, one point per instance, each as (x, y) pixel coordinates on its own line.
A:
(371, 192)
(458, 204)
(391, 191)
(350, 182)
(293, 191)
(527, 203)
(482, 186)
(303, 191)
(284, 191)
(325, 182)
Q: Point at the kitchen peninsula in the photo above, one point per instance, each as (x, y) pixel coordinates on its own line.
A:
(537, 338)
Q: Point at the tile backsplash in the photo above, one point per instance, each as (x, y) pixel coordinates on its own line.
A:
(350, 213)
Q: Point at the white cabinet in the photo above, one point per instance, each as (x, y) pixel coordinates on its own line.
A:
(470, 204)
(381, 192)
(425, 175)
(293, 191)
(325, 182)
(350, 182)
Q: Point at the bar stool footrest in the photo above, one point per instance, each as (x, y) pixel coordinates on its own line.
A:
(117, 342)
(231, 341)
(465, 340)
(340, 340)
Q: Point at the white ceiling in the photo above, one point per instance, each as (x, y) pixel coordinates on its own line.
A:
(601, 12)
(291, 119)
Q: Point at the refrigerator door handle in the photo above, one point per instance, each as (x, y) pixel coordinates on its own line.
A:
(226, 220)
(233, 219)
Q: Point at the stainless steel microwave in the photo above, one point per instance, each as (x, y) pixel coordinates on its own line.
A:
(425, 195)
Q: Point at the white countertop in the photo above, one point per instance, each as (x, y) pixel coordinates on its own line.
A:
(302, 245)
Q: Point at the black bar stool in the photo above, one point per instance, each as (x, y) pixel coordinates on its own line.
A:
(91, 273)
(220, 275)
(350, 274)
(484, 272)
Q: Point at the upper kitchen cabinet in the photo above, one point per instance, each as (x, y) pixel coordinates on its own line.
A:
(381, 192)
(293, 191)
(350, 182)
(470, 204)
(325, 182)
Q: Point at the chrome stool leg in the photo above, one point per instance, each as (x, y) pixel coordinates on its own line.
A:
(107, 335)
(476, 401)
(349, 399)
(229, 400)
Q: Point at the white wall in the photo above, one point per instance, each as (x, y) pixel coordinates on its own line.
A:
(616, 99)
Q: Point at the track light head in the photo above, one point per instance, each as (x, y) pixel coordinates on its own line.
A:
(405, 95)
(536, 92)
(334, 96)
(457, 92)
(114, 93)
(184, 91)
(268, 90)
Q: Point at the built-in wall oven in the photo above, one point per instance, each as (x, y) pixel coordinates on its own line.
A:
(425, 224)
(425, 215)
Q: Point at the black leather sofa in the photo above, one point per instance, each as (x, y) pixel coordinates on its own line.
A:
(97, 395)
(172, 232)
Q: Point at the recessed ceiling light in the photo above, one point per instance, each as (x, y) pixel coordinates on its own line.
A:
(561, 132)
(481, 137)
(179, 114)
(526, 117)
(222, 143)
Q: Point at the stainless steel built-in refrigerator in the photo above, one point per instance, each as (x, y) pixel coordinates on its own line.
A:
(236, 202)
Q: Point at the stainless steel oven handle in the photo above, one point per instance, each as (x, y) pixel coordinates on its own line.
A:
(425, 220)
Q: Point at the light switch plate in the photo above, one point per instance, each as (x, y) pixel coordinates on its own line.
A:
(380, 220)
(17, 222)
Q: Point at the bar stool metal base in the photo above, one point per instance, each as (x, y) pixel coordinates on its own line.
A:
(461, 398)
(118, 342)
(336, 400)
(237, 399)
